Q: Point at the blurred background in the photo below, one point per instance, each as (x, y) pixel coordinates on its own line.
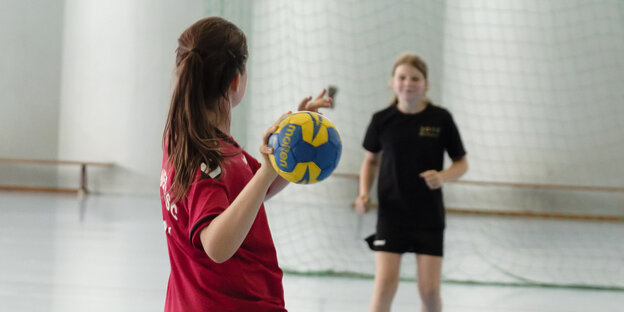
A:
(535, 88)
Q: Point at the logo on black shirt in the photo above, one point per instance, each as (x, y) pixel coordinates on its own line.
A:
(429, 132)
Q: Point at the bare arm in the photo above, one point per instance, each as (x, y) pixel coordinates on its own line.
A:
(457, 169)
(225, 234)
(278, 185)
(435, 179)
(368, 170)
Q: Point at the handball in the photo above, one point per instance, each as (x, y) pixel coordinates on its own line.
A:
(306, 147)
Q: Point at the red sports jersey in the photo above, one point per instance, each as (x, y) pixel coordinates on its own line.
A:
(249, 281)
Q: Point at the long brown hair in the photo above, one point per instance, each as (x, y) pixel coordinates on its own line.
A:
(409, 59)
(210, 54)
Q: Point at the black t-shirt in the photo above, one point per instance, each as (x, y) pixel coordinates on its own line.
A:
(411, 144)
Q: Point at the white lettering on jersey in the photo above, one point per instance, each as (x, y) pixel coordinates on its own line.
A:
(163, 180)
(167, 228)
(172, 208)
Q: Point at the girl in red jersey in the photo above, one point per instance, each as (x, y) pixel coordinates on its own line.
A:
(212, 191)
(406, 142)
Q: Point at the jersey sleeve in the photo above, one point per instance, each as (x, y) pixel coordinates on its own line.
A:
(372, 142)
(452, 140)
(207, 199)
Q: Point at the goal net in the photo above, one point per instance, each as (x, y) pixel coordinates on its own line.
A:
(535, 88)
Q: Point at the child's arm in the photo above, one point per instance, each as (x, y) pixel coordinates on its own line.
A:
(225, 234)
(278, 185)
(367, 176)
(435, 179)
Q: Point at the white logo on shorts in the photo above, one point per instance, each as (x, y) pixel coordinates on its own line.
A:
(379, 242)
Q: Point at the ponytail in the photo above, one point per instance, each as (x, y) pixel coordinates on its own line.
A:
(210, 54)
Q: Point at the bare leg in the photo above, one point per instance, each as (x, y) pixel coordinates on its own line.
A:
(387, 267)
(429, 278)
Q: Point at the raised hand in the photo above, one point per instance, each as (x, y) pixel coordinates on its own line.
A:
(314, 105)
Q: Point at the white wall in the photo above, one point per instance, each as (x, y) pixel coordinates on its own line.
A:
(118, 62)
(88, 80)
(30, 66)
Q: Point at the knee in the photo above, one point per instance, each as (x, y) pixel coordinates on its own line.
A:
(429, 294)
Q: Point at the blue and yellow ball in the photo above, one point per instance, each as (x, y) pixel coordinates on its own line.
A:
(306, 147)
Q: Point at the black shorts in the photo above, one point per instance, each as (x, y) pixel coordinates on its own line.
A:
(428, 242)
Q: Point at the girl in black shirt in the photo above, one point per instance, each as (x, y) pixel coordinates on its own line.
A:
(412, 135)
